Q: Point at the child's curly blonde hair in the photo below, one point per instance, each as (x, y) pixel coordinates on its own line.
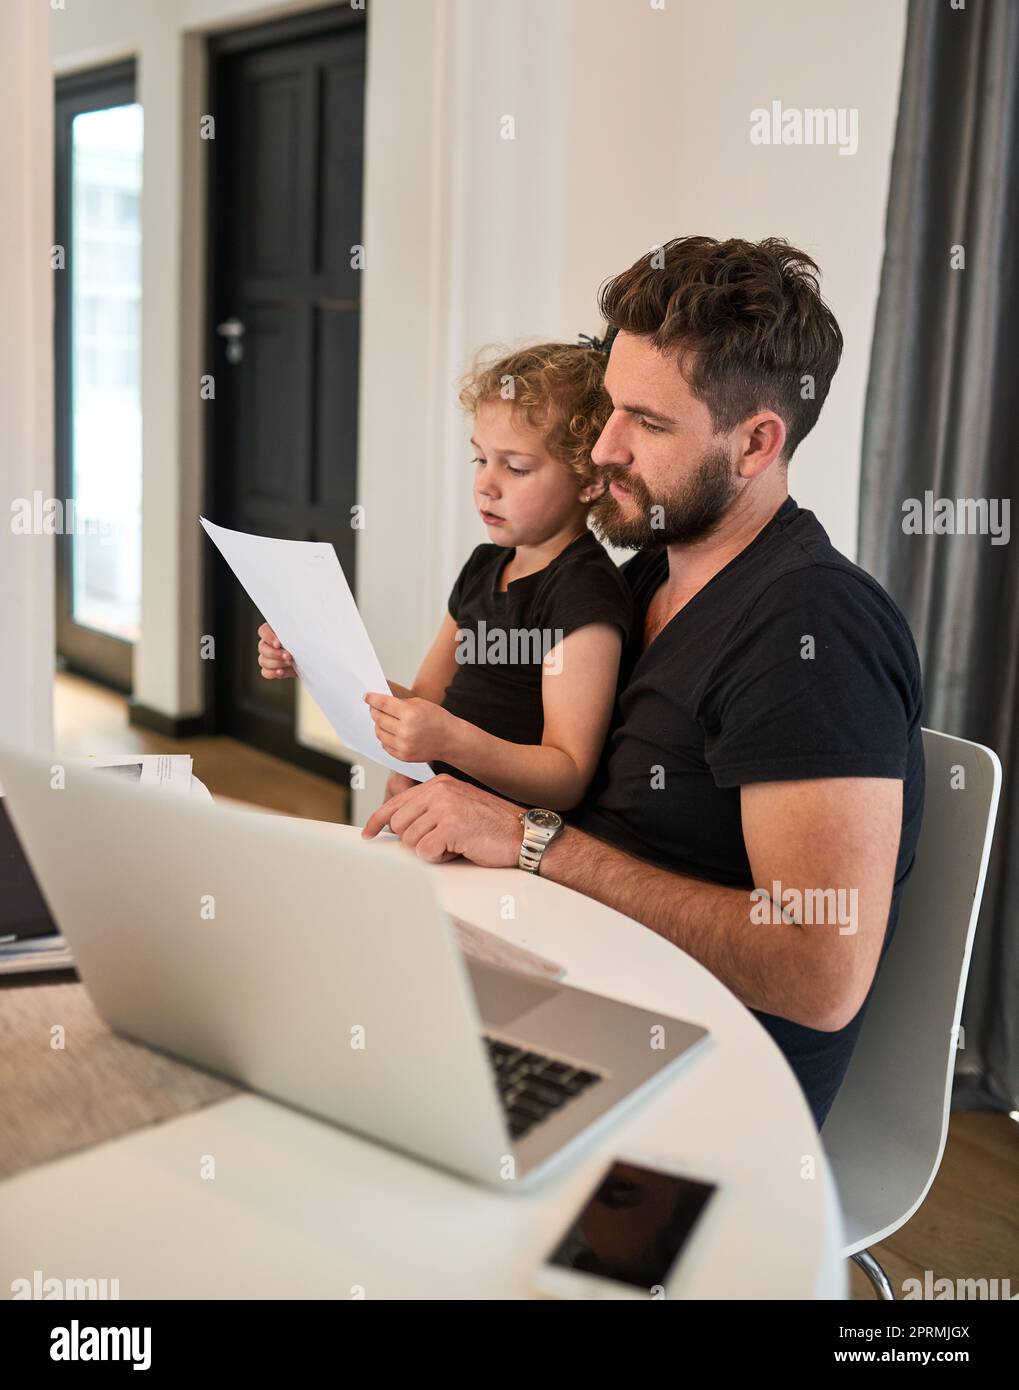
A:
(560, 390)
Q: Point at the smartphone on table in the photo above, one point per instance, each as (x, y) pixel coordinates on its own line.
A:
(627, 1240)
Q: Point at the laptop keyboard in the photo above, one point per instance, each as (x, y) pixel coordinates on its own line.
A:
(532, 1086)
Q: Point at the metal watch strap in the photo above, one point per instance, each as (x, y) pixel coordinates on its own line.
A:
(532, 848)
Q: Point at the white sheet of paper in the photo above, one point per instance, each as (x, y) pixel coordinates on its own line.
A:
(490, 949)
(302, 593)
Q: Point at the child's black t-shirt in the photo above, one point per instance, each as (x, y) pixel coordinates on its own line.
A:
(504, 636)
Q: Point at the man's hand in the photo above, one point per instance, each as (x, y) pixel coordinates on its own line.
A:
(413, 730)
(444, 817)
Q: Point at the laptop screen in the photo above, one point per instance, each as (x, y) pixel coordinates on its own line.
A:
(23, 910)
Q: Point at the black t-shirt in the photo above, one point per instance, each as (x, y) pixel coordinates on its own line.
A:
(504, 636)
(790, 663)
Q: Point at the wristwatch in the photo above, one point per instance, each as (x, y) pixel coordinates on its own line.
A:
(540, 829)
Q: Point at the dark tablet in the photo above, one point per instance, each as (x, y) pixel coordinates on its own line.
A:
(23, 910)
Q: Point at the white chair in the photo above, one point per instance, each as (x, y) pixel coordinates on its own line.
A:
(886, 1131)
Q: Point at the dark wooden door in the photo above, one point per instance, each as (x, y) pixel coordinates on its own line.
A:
(285, 237)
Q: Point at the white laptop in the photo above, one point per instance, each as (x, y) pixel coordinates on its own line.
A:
(325, 974)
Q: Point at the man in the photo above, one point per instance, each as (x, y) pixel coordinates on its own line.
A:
(759, 797)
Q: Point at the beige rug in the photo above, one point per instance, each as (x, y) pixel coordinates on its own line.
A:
(56, 1100)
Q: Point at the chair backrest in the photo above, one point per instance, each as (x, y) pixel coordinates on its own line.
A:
(886, 1131)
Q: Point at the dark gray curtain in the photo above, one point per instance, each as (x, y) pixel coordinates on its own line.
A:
(942, 416)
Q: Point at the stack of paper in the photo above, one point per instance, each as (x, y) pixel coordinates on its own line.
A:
(165, 772)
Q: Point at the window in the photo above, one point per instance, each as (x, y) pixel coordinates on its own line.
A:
(98, 352)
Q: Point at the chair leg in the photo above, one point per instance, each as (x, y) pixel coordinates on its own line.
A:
(878, 1278)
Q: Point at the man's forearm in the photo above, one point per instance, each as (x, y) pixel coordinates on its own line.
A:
(770, 967)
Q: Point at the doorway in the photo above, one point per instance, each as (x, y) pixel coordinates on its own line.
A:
(285, 257)
(97, 371)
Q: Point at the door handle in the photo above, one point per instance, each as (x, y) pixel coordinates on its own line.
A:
(233, 331)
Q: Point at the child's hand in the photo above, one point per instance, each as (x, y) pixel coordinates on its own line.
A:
(414, 730)
(272, 659)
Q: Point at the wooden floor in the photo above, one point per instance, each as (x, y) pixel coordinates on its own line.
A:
(967, 1228)
(90, 719)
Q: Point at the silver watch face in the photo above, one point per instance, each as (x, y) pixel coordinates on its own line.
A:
(543, 820)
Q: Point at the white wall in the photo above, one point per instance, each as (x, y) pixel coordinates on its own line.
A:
(26, 371)
(632, 126)
(667, 150)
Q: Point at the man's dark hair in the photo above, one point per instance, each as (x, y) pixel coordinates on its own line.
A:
(745, 321)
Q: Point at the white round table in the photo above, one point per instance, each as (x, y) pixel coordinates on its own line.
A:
(301, 1209)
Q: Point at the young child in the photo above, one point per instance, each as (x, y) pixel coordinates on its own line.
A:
(517, 690)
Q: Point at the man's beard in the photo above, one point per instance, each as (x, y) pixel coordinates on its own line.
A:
(688, 514)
